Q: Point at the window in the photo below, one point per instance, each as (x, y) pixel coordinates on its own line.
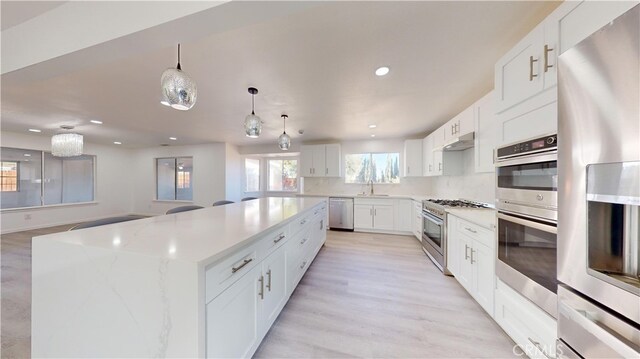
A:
(283, 175)
(36, 178)
(251, 175)
(173, 179)
(374, 167)
(9, 176)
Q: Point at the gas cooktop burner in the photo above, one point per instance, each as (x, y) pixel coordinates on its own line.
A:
(457, 203)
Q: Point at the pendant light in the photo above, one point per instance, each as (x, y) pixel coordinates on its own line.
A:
(178, 89)
(252, 123)
(67, 144)
(284, 141)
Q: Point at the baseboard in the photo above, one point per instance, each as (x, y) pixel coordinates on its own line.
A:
(398, 233)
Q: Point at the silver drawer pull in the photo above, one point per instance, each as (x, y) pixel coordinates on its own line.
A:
(303, 241)
(303, 264)
(303, 221)
(539, 347)
(246, 261)
(470, 230)
(280, 237)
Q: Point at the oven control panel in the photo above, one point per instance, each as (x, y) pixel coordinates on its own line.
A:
(535, 145)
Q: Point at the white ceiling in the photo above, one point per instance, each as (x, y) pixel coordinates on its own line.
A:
(316, 65)
(17, 12)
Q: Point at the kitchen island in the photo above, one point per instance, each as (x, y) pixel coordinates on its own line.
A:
(208, 282)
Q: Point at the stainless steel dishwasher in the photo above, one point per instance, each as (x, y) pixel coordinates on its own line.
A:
(341, 213)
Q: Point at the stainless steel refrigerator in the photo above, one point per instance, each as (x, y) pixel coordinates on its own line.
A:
(599, 193)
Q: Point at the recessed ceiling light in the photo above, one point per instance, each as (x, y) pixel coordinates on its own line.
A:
(27, 155)
(34, 130)
(373, 126)
(381, 71)
(173, 138)
(373, 135)
(96, 122)
(117, 143)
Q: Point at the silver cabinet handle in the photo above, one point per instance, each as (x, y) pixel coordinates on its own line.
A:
(375, 211)
(326, 171)
(244, 263)
(466, 251)
(303, 264)
(472, 261)
(457, 127)
(408, 169)
(303, 240)
(261, 293)
(303, 221)
(280, 237)
(269, 280)
(531, 61)
(539, 347)
(439, 166)
(546, 58)
(470, 230)
(452, 129)
(322, 224)
(429, 168)
(371, 211)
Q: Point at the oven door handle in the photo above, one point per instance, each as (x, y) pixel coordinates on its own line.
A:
(432, 218)
(529, 223)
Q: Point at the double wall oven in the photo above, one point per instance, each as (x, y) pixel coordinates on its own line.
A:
(527, 204)
(599, 200)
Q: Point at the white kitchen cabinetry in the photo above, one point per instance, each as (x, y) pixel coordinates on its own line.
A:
(460, 125)
(239, 315)
(404, 219)
(320, 160)
(439, 163)
(486, 139)
(471, 259)
(533, 330)
(416, 216)
(427, 156)
(373, 217)
(413, 158)
(363, 216)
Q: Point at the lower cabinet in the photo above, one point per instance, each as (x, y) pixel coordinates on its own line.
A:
(240, 316)
(416, 216)
(471, 259)
(378, 216)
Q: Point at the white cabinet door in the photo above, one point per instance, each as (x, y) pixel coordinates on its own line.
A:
(383, 217)
(465, 267)
(233, 319)
(363, 216)
(427, 156)
(486, 138)
(404, 214)
(306, 161)
(438, 158)
(413, 158)
(275, 286)
(417, 220)
(517, 73)
(483, 276)
(465, 122)
(319, 163)
(332, 160)
(453, 246)
(438, 138)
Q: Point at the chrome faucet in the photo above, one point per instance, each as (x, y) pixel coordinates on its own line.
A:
(370, 187)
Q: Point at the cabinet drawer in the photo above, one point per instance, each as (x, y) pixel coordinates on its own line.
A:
(224, 273)
(300, 222)
(476, 232)
(273, 240)
(530, 327)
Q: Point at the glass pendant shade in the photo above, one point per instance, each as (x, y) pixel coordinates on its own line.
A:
(252, 125)
(67, 145)
(284, 141)
(178, 89)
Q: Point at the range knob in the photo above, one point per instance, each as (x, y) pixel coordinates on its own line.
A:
(551, 140)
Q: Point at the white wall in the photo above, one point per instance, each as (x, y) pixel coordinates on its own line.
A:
(234, 170)
(410, 185)
(113, 190)
(208, 176)
(470, 185)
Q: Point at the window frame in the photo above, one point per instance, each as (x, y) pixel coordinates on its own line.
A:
(371, 158)
(42, 183)
(175, 177)
(268, 169)
(17, 176)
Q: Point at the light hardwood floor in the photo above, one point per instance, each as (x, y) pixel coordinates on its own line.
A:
(365, 295)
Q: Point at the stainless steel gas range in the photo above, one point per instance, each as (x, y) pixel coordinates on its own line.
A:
(434, 228)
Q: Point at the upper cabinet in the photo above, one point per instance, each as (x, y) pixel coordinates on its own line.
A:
(486, 139)
(413, 158)
(460, 125)
(320, 160)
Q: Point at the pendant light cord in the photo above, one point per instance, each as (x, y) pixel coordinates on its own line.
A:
(252, 104)
(178, 67)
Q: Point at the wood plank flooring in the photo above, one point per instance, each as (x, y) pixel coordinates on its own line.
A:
(365, 295)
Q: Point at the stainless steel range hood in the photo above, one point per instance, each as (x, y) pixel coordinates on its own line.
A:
(460, 143)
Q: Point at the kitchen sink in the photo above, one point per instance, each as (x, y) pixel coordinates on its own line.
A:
(371, 195)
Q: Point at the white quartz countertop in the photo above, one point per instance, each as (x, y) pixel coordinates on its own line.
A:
(485, 217)
(200, 236)
(390, 196)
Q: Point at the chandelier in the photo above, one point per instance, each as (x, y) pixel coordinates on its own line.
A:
(67, 144)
